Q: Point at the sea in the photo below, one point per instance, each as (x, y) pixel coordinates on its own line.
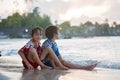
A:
(83, 51)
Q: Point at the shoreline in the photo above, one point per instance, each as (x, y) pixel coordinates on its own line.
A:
(11, 69)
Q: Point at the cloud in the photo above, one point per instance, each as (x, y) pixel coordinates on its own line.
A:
(8, 7)
(75, 11)
(114, 13)
(90, 11)
(78, 10)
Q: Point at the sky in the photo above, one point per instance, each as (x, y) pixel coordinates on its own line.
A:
(75, 11)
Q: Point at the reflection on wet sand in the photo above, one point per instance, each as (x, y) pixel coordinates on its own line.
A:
(13, 70)
(41, 74)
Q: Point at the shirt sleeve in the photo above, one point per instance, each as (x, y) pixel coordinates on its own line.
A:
(45, 45)
(52, 46)
(26, 48)
(21, 50)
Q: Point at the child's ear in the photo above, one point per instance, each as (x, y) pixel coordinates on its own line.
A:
(54, 34)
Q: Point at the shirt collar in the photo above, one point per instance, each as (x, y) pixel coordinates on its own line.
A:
(51, 41)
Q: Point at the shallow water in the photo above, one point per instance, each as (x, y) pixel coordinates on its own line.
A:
(84, 51)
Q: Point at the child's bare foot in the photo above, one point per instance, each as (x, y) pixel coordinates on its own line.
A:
(91, 67)
(64, 68)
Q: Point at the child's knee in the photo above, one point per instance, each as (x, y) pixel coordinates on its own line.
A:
(32, 50)
(62, 61)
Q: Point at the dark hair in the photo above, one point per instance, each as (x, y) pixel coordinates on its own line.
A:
(35, 30)
(49, 32)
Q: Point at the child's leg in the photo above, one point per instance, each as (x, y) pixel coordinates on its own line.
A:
(49, 51)
(52, 62)
(33, 57)
(76, 66)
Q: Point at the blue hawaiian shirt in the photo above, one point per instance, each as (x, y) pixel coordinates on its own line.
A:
(53, 45)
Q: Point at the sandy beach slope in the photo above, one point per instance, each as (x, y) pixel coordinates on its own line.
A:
(11, 69)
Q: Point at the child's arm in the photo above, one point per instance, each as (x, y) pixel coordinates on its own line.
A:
(25, 60)
(37, 59)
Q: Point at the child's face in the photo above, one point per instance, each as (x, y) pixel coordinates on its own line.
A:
(37, 35)
(56, 35)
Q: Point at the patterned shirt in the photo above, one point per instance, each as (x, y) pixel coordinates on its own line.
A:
(53, 45)
(27, 47)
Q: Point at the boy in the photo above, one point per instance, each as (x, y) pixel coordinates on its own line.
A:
(52, 34)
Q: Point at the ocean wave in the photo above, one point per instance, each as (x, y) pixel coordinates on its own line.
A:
(9, 52)
(101, 64)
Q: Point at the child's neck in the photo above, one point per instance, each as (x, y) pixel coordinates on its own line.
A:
(53, 40)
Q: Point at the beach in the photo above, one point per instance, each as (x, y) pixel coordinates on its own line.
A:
(11, 69)
(104, 50)
(63, 33)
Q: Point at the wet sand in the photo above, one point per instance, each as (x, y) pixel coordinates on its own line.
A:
(11, 69)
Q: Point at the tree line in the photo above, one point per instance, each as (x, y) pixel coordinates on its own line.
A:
(33, 19)
(28, 20)
(88, 29)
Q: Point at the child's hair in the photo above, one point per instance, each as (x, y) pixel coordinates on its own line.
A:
(49, 32)
(35, 30)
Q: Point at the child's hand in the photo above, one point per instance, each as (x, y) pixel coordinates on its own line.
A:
(29, 66)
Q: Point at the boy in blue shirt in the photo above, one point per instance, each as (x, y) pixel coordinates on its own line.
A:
(51, 33)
